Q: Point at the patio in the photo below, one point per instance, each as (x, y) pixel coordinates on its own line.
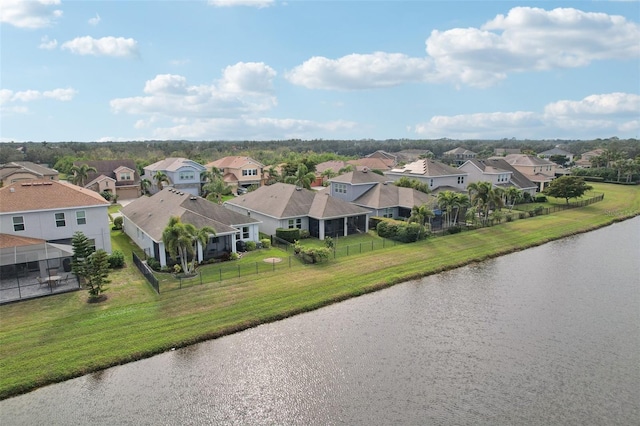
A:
(31, 268)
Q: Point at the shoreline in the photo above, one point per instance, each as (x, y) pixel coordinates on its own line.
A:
(249, 318)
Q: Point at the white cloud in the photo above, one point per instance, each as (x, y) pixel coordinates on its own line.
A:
(594, 116)
(30, 14)
(250, 129)
(95, 20)
(252, 3)
(526, 39)
(245, 88)
(357, 71)
(47, 44)
(105, 46)
(7, 96)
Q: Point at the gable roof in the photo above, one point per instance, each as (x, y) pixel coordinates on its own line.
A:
(233, 162)
(428, 168)
(152, 214)
(526, 160)
(555, 151)
(172, 164)
(47, 195)
(385, 195)
(282, 200)
(26, 166)
(109, 168)
(459, 150)
(372, 163)
(500, 165)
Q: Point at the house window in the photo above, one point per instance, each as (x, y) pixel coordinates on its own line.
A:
(295, 223)
(245, 232)
(187, 175)
(125, 176)
(81, 217)
(340, 188)
(18, 223)
(92, 244)
(250, 172)
(388, 212)
(460, 180)
(60, 222)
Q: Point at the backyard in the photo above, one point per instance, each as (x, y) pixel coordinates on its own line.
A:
(62, 336)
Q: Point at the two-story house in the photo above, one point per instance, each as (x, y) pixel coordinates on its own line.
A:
(378, 194)
(459, 155)
(238, 171)
(17, 171)
(500, 173)
(538, 170)
(52, 211)
(438, 176)
(183, 174)
(119, 177)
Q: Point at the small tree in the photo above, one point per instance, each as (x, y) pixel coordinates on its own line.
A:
(98, 271)
(567, 187)
(81, 252)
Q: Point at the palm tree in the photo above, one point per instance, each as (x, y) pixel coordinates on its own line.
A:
(274, 176)
(215, 189)
(482, 196)
(447, 200)
(161, 177)
(421, 215)
(512, 195)
(329, 174)
(145, 185)
(81, 173)
(302, 178)
(182, 239)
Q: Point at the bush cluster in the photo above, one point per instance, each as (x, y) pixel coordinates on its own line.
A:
(266, 242)
(250, 245)
(398, 230)
(116, 259)
(153, 263)
(314, 254)
(290, 235)
(117, 223)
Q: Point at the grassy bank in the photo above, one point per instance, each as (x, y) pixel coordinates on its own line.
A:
(55, 338)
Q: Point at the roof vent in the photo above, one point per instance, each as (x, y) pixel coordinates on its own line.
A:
(365, 169)
(12, 189)
(193, 198)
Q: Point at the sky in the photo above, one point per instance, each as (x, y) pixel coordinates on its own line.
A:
(274, 70)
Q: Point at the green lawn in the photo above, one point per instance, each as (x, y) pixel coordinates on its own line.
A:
(62, 336)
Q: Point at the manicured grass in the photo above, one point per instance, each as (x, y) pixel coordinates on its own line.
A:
(58, 337)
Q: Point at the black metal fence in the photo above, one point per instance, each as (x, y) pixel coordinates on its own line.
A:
(147, 272)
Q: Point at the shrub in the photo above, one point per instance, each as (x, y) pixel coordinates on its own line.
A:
(106, 195)
(117, 223)
(454, 230)
(290, 235)
(116, 259)
(153, 263)
(233, 256)
(304, 233)
(509, 218)
(541, 198)
(398, 230)
(328, 242)
(522, 215)
(251, 245)
(266, 242)
(315, 255)
(539, 210)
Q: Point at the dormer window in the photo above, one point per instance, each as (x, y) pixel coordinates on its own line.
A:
(125, 176)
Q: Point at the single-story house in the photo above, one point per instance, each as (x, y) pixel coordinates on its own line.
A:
(283, 205)
(145, 219)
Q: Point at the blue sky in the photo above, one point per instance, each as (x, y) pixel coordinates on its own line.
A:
(273, 70)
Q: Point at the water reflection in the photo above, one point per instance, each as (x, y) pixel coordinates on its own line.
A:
(546, 336)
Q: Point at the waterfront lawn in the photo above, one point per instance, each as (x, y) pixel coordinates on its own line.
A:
(62, 336)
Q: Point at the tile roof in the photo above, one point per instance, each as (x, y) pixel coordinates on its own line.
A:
(499, 165)
(46, 195)
(526, 160)
(152, 214)
(373, 163)
(283, 200)
(7, 240)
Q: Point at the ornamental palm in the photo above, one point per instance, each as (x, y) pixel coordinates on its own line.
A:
(421, 215)
(216, 189)
(81, 173)
(182, 239)
(161, 177)
(302, 178)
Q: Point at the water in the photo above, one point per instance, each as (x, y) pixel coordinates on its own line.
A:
(550, 335)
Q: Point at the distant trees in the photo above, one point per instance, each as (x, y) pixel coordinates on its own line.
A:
(302, 178)
(405, 182)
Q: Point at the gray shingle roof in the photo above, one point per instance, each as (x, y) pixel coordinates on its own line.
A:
(283, 200)
(389, 195)
(151, 214)
(495, 165)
